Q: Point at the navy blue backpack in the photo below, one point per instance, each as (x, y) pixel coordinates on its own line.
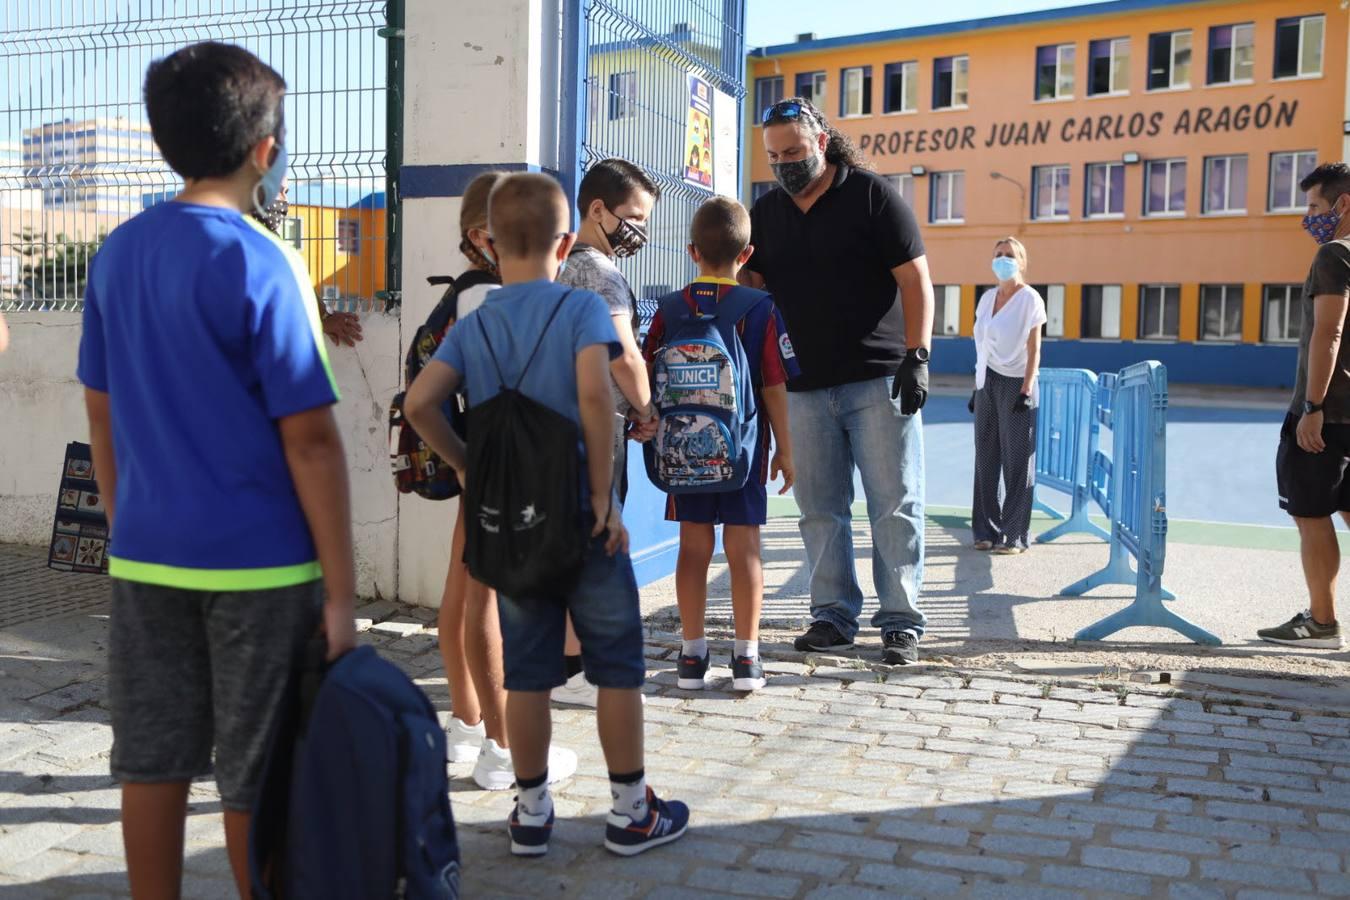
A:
(703, 393)
(355, 802)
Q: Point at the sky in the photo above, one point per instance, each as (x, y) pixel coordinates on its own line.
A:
(780, 21)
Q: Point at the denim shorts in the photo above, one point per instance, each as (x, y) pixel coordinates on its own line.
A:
(603, 602)
(192, 671)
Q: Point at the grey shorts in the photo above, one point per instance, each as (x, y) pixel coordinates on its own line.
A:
(192, 670)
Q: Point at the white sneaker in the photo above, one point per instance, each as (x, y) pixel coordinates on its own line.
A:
(576, 692)
(494, 771)
(463, 741)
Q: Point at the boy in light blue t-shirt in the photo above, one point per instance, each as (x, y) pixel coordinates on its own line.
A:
(527, 221)
(219, 461)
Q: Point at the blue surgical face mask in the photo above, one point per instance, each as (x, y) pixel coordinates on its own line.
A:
(1005, 268)
(270, 185)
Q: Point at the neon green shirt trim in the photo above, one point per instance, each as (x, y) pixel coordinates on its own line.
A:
(213, 579)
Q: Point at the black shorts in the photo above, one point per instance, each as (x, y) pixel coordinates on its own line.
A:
(1313, 485)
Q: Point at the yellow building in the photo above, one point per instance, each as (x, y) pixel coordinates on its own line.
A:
(1148, 153)
(344, 247)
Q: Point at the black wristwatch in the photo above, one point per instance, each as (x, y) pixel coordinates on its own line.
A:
(919, 353)
(1310, 407)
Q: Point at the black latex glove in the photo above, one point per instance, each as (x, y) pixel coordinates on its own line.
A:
(1023, 403)
(971, 405)
(911, 385)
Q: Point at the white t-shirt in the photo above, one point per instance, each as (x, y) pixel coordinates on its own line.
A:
(473, 298)
(1001, 340)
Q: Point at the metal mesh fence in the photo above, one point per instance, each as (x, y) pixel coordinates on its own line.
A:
(639, 56)
(77, 158)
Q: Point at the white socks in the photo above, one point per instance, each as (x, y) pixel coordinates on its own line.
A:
(697, 648)
(535, 801)
(747, 648)
(630, 798)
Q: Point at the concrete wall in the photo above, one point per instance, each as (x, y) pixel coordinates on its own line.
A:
(42, 409)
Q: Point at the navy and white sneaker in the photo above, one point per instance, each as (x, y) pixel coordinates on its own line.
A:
(691, 672)
(667, 820)
(746, 674)
(529, 834)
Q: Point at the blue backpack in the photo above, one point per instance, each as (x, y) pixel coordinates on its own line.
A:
(355, 801)
(703, 393)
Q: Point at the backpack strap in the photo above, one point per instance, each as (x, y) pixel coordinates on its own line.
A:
(501, 379)
(737, 304)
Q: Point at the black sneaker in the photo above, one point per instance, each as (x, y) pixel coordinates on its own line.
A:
(1304, 631)
(899, 648)
(746, 674)
(822, 637)
(691, 671)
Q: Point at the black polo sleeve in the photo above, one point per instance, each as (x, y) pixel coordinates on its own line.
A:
(895, 231)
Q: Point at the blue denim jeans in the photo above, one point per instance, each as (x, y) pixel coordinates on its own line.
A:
(834, 430)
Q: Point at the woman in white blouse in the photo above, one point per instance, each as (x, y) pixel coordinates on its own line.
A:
(1008, 324)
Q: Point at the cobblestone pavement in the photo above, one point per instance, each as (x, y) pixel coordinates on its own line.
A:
(837, 780)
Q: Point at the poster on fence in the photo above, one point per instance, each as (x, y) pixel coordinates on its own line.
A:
(698, 139)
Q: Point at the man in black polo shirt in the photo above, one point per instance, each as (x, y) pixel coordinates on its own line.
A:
(832, 243)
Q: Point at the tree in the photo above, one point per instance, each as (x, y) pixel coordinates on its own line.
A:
(54, 270)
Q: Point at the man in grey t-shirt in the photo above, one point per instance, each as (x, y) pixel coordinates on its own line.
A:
(615, 201)
(1314, 456)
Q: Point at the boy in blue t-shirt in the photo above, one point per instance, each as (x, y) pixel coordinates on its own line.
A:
(527, 223)
(720, 245)
(220, 464)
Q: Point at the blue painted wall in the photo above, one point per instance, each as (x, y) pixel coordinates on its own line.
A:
(1244, 365)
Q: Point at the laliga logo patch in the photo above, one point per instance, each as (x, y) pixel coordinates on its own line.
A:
(785, 346)
(692, 376)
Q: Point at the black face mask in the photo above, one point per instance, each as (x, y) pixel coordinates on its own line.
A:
(795, 177)
(274, 214)
(626, 239)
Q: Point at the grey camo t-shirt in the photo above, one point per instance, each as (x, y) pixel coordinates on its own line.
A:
(592, 270)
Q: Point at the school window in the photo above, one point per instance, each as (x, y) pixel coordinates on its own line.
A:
(947, 309)
(904, 184)
(950, 74)
(1050, 192)
(902, 87)
(1053, 295)
(622, 96)
(1286, 171)
(1054, 72)
(1159, 312)
(948, 201)
(759, 189)
(1165, 187)
(1105, 189)
(293, 231)
(1221, 312)
(768, 91)
(1298, 46)
(1109, 66)
(1280, 322)
(1226, 184)
(1169, 60)
(1232, 53)
(1101, 311)
(811, 86)
(349, 236)
(855, 92)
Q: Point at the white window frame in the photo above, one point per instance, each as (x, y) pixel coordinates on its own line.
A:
(1060, 76)
(1225, 298)
(293, 231)
(947, 311)
(1036, 193)
(1054, 310)
(1111, 294)
(1292, 294)
(1321, 50)
(620, 107)
(960, 82)
(848, 75)
(1172, 83)
(768, 79)
(1115, 90)
(904, 184)
(936, 179)
(1294, 192)
(909, 83)
(1249, 28)
(820, 83)
(1228, 186)
(1161, 298)
(1087, 192)
(1171, 164)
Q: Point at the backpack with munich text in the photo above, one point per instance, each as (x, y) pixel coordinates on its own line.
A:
(704, 396)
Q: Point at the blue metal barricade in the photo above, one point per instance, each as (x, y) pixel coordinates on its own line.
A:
(1130, 484)
(1066, 443)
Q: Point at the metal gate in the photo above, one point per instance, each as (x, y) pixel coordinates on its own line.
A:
(77, 158)
(633, 101)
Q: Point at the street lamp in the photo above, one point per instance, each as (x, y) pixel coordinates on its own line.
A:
(1021, 188)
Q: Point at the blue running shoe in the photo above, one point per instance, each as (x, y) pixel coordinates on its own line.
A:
(746, 674)
(529, 834)
(667, 820)
(692, 671)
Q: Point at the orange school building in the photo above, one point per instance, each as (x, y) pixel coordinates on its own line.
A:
(1147, 152)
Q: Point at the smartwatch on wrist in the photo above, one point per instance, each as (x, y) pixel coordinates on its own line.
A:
(1310, 407)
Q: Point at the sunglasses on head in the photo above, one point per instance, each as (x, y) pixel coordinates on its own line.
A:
(785, 111)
